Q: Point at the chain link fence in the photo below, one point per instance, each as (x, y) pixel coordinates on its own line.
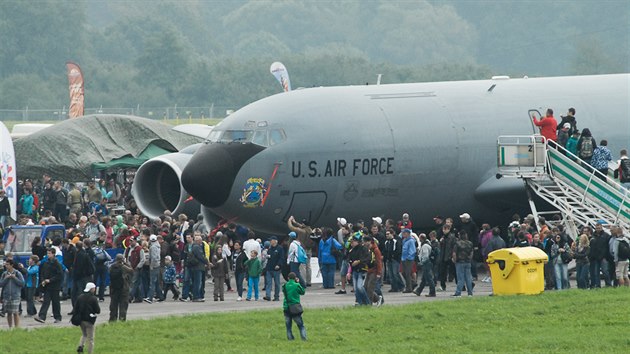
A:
(157, 113)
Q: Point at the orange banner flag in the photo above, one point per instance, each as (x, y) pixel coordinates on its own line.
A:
(75, 82)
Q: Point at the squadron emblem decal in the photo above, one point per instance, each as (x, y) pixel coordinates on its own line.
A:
(254, 192)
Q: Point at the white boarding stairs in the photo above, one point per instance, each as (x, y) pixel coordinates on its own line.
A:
(583, 195)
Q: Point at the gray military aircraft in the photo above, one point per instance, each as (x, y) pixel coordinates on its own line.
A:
(361, 151)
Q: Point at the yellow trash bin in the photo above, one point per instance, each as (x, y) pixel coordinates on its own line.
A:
(517, 270)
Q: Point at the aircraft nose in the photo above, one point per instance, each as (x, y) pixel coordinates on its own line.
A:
(210, 174)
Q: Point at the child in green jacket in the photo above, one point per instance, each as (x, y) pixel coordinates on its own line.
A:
(254, 269)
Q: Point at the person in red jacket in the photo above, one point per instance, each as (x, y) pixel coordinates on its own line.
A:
(547, 125)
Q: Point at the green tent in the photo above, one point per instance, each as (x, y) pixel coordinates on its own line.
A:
(129, 161)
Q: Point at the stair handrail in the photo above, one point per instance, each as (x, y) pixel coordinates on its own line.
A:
(579, 162)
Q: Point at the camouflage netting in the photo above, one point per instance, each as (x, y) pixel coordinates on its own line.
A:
(68, 150)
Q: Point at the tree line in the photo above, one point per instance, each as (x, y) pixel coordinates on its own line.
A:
(198, 52)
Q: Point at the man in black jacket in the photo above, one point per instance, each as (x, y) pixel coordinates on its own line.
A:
(83, 268)
(87, 308)
(597, 257)
(391, 256)
(69, 252)
(5, 209)
(472, 230)
(273, 269)
(359, 259)
(51, 275)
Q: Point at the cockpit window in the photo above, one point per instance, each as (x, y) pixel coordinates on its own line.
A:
(276, 136)
(262, 137)
(241, 136)
(214, 136)
(230, 136)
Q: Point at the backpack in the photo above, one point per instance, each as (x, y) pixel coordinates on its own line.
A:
(586, 150)
(623, 252)
(624, 168)
(301, 254)
(116, 277)
(101, 257)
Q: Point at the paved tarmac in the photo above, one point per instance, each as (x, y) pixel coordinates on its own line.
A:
(316, 297)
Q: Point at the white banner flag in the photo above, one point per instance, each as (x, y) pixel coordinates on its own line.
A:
(7, 168)
(278, 70)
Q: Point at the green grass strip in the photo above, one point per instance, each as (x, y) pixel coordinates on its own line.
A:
(572, 321)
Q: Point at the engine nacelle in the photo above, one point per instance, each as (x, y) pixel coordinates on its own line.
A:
(157, 186)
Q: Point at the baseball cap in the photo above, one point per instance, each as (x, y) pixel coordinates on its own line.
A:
(465, 216)
(377, 219)
(342, 221)
(292, 234)
(406, 230)
(438, 217)
(88, 287)
(567, 125)
(273, 238)
(153, 238)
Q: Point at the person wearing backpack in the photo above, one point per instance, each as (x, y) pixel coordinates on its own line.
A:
(620, 248)
(586, 146)
(622, 172)
(101, 261)
(119, 275)
(293, 259)
(326, 256)
(83, 270)
(426, 252)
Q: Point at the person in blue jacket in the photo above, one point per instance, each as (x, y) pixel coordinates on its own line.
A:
(409, 252)
(327, 260)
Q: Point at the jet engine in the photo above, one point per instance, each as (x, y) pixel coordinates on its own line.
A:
(157, 186)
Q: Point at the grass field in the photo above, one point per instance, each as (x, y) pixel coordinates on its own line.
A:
(573, 321)
(209, 121)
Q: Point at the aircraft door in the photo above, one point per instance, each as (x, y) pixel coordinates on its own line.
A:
(307, 205)
(531, 114)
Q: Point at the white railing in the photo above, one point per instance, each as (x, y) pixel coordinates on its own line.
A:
(590, 182)
(521, 156)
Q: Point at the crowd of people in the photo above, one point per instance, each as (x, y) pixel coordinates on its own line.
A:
(583, 145)
(177, 255)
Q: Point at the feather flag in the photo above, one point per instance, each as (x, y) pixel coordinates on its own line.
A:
(7, 169)
(75, 82)
(278, 70)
